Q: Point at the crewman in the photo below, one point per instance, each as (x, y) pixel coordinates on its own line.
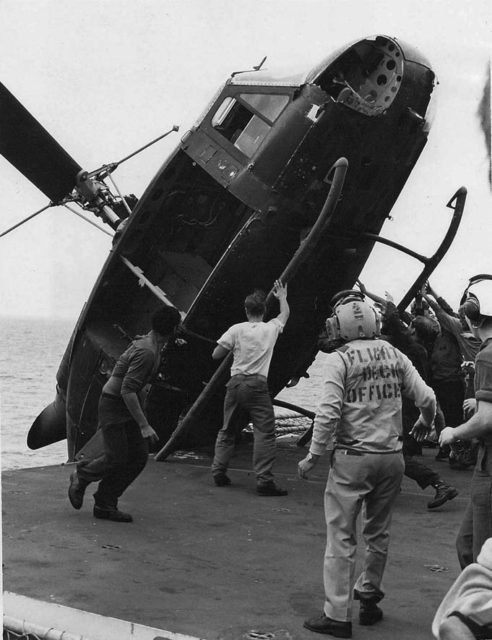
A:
(251, 343)
(359, 424)
(476, 527)
(124, 426)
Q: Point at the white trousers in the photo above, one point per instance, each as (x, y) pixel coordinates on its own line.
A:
(372, 481)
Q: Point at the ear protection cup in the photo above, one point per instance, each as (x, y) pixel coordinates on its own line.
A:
(471, 308)
(332, 323)
(332, 328)
(470, 303)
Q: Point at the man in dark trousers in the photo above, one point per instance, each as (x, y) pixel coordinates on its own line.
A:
(359, 423)
(477, 521)
(397, 333)
(125, 429)
(252, 344)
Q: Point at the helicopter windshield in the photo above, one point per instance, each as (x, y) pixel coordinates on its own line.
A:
(245, 120)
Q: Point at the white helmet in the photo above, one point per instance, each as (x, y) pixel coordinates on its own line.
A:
(353, 318)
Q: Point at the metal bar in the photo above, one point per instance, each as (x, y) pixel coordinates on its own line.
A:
(395, 245)
(459, 199)
(306, 436)
(24, 627)
(119, 193)
(77, 213)
(33, 215)
(339, 169)
(175, 128)
(145, 281)
(107, 169)
(193, 334)
(287, 405)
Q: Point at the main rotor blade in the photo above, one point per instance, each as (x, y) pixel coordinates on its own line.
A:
(33, 151)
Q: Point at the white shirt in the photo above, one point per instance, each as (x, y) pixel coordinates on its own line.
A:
(252, 345)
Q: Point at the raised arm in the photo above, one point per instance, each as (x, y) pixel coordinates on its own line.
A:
(373, 296)
(439, 303)
(280, 292)
(478, 426)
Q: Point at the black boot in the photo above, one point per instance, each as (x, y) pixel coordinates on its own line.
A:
(106, 508)
(111, 513)
(221, 479)
(444, 492)
(369, 613)
(270, 489)
(76, 490)
(323, 624)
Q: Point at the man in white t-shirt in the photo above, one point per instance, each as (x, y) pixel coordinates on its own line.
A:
(252, 344)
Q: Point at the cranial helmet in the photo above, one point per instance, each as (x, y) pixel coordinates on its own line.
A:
(477, 298)
(353, 317)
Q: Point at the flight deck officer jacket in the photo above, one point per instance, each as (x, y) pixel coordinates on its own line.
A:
(361, 401)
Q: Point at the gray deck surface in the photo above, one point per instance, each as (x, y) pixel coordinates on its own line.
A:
(218, 562)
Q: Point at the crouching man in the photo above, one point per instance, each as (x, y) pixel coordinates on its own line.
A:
(359, 424)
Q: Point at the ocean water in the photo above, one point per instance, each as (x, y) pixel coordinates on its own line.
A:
(30, 351)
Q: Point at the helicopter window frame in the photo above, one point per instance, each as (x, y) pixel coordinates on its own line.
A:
(243, 122)
(270, 111)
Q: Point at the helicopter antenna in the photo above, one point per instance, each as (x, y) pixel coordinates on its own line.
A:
(255, 68)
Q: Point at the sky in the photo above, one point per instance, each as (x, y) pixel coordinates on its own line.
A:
(106, 77)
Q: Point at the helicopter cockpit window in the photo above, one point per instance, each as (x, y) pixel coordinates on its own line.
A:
(238, 123)
(269, 106)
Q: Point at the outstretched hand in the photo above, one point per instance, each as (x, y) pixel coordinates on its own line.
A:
(469, 407)
(447, 436)
(420, 430)
(279, 289)
(429, 290)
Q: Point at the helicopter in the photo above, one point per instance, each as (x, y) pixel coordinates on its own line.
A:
(286, 177)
